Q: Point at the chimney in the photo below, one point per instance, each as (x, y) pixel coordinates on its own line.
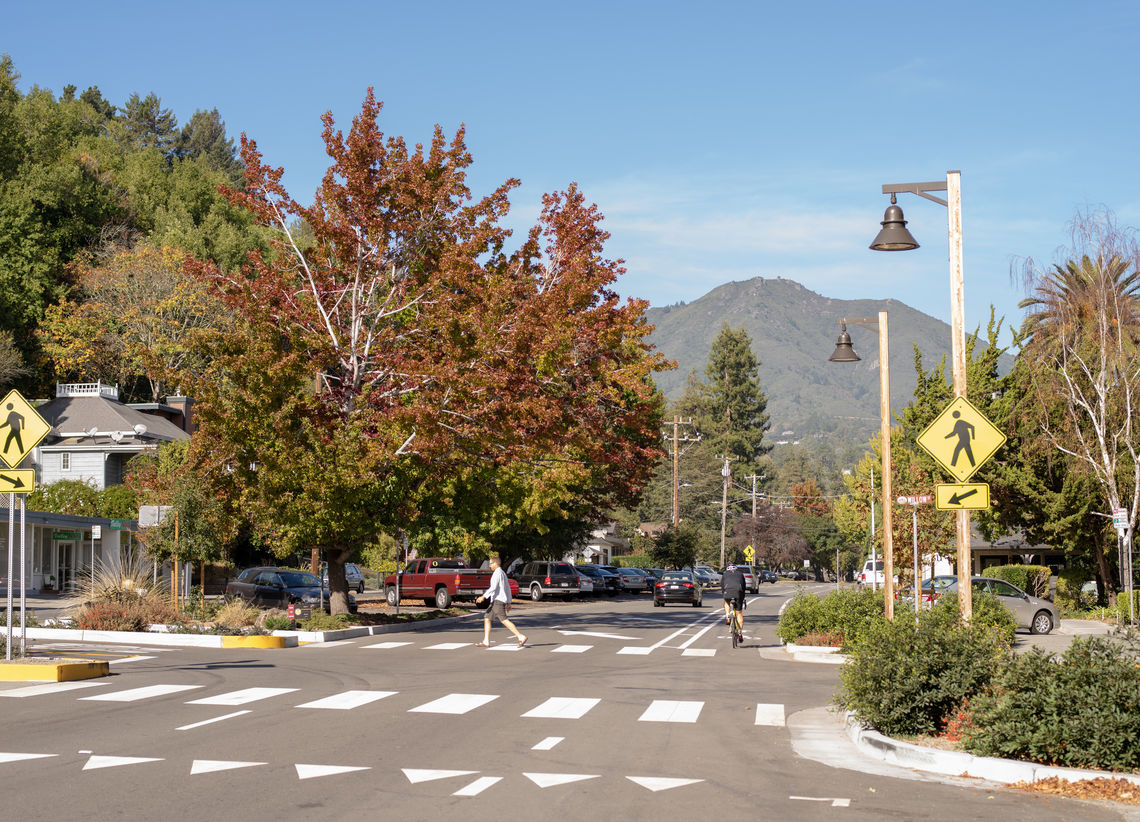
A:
(184, 406)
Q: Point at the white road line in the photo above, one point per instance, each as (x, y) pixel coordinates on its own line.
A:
(699, 652)
(454, 704)
(19, 757)
(313, 771)
(348, 700)
(636, 650)
(547, 780)
(661, 783)
(135, 694)
(478, 786)
(417, 775)
(699, 634)
(386, 645)
(242, 697)
(506, 646)
(571, 649)
(214, 765)
(769, 714)
(49, 688)
(96, 762)
(211, 721)
(562, 707)
(595, 633)
(128, 659)
(447, 646)
(548, 743)
(835, 803)
(670, 710)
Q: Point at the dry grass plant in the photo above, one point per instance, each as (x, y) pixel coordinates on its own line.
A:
(237, 613)
(130, 581)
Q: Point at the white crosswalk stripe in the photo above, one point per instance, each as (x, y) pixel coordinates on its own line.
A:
(135, 694)
(669, 710)
(348, 700)
(242, 697)
(454, 704)
(560, 707)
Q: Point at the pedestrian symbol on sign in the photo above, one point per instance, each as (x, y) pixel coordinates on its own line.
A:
(961, 439)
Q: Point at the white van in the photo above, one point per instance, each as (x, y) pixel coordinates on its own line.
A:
(872, 573)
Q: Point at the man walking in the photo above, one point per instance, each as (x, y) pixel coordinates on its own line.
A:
(499, 594)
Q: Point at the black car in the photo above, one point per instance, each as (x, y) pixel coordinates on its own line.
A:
(541, 579)
(677, 586)
(604, 581)
(273, 587)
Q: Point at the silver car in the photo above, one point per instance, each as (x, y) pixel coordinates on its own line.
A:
(1038, 615)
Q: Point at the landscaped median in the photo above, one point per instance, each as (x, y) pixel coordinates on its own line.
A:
(51, 670)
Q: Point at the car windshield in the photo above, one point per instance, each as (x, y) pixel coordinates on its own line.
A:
(299, 579)
(677, 576)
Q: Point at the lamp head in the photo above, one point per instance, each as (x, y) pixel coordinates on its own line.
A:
(894, 235)
(843, 350)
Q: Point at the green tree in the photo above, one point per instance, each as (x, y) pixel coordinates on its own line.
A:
(676, 548)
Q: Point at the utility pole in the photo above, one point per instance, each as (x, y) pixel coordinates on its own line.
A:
(725, 472)
(677, 441)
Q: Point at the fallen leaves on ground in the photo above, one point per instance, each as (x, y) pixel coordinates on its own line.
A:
(1114, 790)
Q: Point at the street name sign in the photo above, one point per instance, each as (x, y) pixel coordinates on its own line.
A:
(21, 481)
(973, 496)
(21, 427)
(961, 439)
(921, 499)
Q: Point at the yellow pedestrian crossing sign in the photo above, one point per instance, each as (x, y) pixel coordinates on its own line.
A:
(749, 553)
(961, 439)
(21, 429)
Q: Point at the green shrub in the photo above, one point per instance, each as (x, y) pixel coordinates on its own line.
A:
(1070, 599)
(1122, 611)
(845, 614)
(1083, 713)
(1033, 579)
(277, 622)
(906, 677)
(321, 621)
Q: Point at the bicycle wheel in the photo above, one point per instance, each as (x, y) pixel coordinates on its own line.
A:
(735, 630)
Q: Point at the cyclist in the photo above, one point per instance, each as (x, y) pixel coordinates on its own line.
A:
(732, 589)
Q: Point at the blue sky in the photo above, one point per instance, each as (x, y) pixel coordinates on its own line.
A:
(722, 140)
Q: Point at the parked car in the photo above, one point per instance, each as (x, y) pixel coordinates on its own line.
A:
(352, 574)
(751, 578)
(437, 581)
(704, 579)
(677, 586)
(585, 582)
(630, 580)
(710, 572)
(652, 575)
(542, 578)
(604, 581)
(871, 573)
(768, 576)
(1038, 615)
(273, 587)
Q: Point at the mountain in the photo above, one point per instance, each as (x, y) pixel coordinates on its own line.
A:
(793, 332)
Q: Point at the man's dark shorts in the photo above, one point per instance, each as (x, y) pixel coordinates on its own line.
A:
(497, 609)
(737, 600)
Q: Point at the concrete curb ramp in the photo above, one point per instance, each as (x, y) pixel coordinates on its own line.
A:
(958, 763)
(52, 670)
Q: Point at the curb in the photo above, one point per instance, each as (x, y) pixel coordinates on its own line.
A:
(156, 638)
(307, 637)
(958, 763)
(825, 654)
(58, 670)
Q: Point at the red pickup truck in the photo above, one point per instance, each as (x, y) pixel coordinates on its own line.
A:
(436, 581)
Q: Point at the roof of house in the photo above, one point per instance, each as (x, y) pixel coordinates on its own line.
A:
(97, 420)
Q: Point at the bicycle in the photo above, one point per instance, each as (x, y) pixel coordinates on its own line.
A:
(736, 626)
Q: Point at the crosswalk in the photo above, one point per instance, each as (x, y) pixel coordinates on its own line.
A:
(553, 707)
(684, 646)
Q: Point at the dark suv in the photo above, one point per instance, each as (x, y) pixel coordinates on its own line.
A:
(541, 579)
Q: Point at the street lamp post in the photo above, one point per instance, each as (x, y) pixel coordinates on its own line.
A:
(895, 237)
(845, 353)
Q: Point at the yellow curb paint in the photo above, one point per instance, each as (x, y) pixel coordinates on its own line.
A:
(253, 642)
(53, 671)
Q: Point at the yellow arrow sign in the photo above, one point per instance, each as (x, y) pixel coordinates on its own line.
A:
(21, 428)
(972, 496)
(22, 481)
(961, 439)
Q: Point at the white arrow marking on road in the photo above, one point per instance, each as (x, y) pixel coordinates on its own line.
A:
(212, 765)
(548, 743)
(210, 721)
(313, 771)
(593, 633)
(769, 714)
(661, 783)
(835, 803)
(416, 775)
(478, 786)
(17, 757)
(547, 780)
(96, 762)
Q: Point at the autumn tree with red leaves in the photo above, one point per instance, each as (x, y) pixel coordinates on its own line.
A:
(394, 360)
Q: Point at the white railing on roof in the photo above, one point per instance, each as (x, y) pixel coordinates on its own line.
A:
(86, 389)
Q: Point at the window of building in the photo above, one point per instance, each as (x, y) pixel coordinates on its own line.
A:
(65, 462)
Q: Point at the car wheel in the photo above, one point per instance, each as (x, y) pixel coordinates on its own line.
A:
(1042, 623)
(390, 596)
(535, 592)
(442, 599)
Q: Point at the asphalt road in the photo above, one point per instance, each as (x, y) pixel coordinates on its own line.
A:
(614, 710)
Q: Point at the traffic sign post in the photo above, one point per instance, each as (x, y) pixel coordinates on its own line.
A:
(973, 496)
(914, 502)
(961, 439)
